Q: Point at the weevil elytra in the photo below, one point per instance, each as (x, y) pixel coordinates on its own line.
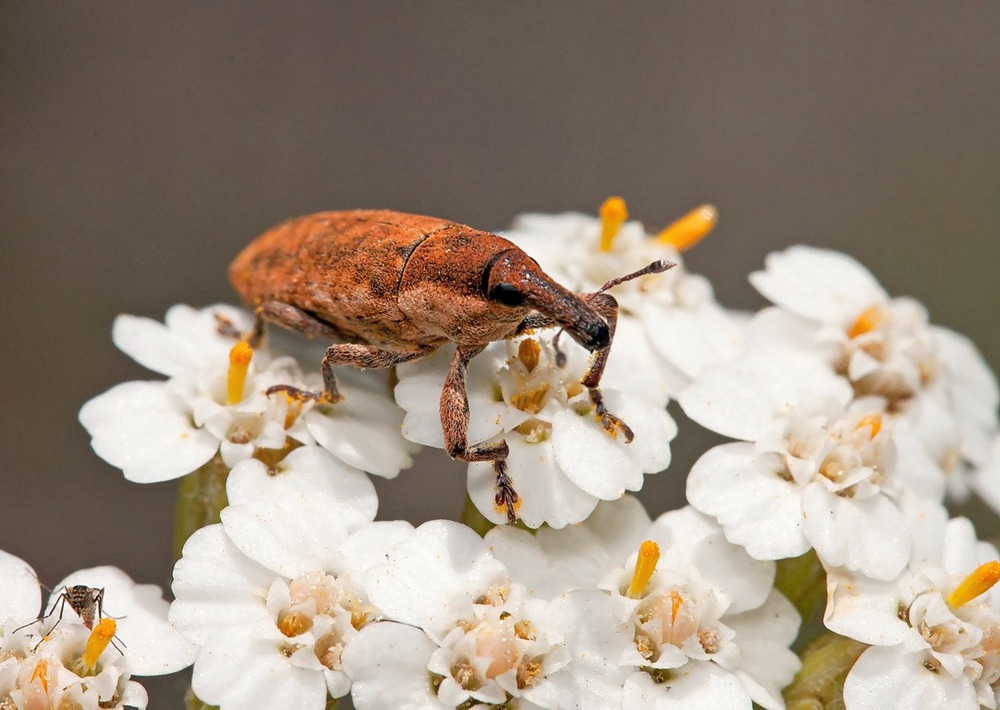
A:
(394, 287)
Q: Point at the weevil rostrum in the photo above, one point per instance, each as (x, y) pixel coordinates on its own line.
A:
(393, 287)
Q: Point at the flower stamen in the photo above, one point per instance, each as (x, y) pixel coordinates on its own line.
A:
(868, 321)
(613, 214)
(528, 353)
(979, 582)
(41, 670)
(871, 420)
(645, 565)
(684, 233)
(99, 639)
(239, 363)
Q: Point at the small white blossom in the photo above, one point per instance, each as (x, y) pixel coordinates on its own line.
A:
(156, 431)
(562, 460)
(935, 630)
(275, 592)
(669, 324)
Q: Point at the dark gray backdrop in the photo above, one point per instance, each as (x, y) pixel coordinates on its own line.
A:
(142, 144)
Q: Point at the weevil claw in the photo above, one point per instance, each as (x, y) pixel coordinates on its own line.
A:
(301, 395)
(506, 497)
(609, 421)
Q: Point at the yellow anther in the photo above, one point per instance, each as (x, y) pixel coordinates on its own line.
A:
(645, 565)
(99, 639)
(866, 322)
(40, 673)
(871, 420)
(684, 233)
(528, 352)
(979, 582)
(676, 602)
(239, 363)
(294, 624)
(613, 215)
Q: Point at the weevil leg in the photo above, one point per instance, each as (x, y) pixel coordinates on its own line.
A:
(607, 307)
(367, 357)
(454, 411)
(291, 317)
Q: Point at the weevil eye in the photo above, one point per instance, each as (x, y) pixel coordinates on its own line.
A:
(506, 294)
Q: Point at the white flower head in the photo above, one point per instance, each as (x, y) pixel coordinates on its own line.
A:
(471, 634)
(815, 469)
(562, 459)
(75, 653)
(670, 325)
(832, 306)
(275, 591)
(935, 631)
(215, 402)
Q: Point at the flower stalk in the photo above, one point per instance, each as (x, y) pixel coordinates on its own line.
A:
(819, 684)
(201, 496)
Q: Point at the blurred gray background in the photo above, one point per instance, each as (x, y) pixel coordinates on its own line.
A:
(142, 145)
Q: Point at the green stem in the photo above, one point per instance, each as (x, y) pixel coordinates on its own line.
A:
(819, 684)
(201, 496)
(803, 580)
(474, 519)
(191, 702)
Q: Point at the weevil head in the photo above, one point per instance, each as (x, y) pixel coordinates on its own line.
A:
(514, 279)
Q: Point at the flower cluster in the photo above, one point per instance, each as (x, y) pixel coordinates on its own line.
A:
(854, 422)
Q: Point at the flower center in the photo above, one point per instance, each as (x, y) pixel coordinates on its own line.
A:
(684, 233)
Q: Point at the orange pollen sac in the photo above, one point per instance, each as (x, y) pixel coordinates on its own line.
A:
(613, 214)
(645, 565)
(866, 322)
(979, 582)
(99, 639)
(690, 229)
(528, 353)
(239, 363)
(41, 670)
(871, 420)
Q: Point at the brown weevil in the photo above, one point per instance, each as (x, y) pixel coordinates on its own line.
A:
(394, 287)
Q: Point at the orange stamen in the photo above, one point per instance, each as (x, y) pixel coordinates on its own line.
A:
(690, 229)
(99, 639)
(645, 565)
(979, 582)
(41, 670)
(866, 322)
(613, 214)
(239, 363)
(528, 353)
(871, 420)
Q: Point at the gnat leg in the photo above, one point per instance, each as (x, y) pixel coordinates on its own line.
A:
(454, 413)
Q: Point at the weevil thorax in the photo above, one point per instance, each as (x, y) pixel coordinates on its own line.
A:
(537, 289)
(442, 287)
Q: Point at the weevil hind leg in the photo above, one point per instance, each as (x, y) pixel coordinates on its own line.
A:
(454, 412)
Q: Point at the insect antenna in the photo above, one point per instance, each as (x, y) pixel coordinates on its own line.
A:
(656, 267)
(560, 355)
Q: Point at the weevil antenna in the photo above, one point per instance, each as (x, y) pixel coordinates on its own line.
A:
(656, 267)
(560, 355)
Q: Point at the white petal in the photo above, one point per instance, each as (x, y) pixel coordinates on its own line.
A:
(883, 677)
(818, 284)
(388, 664)
(309, 478)
(546, 494)
(695, 686)
(440, 562)
(692, 339)
(143, 429)
(742, 398)
(153, 646)
(20, 591)
(216, 586)
(369, 545)
(865, 535)
(631, 353)
(757, 509)
(594, 461)
(764, 635)
(863, 609)
(240, 669)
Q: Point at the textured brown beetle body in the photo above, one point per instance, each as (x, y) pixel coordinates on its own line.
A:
(397, 286)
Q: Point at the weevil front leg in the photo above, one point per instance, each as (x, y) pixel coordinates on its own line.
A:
(607, 307)
(358, 355)
(454, 411)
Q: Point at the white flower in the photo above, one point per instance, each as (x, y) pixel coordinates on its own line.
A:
(935, 630)
(63, 660)
(815, 470)
(481, 639)
(562, 460)
(274, 593)
(705, 629)
(215, 403)
(669, 325)
(885, 346)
